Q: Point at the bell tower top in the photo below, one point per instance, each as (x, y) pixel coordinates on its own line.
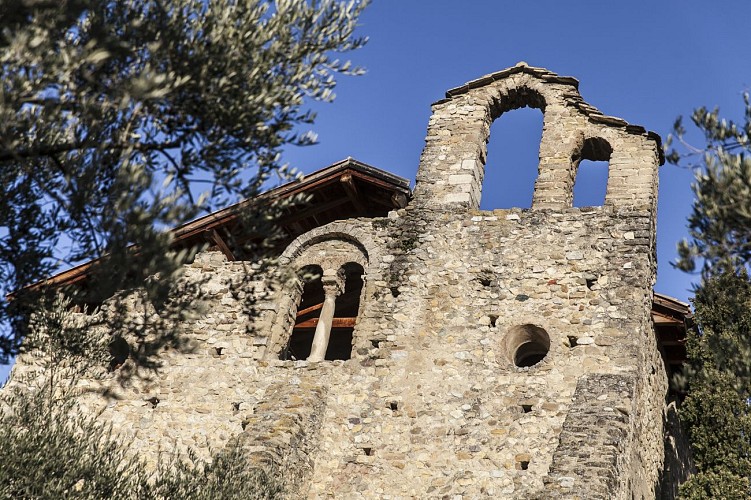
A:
(452, 164)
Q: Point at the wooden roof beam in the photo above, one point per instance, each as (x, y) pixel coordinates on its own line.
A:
(217, 239)
(659, 319)
(312, 212)
(310, 309)
(348, 183)
(335, 323)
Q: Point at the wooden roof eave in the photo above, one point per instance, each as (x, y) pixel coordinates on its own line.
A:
(329, 175)
(207, 224)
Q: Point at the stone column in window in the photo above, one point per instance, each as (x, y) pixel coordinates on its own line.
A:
(332, 288)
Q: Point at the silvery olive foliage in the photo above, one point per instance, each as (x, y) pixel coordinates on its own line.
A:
(720, 223)
(121, 118)
(716, 412)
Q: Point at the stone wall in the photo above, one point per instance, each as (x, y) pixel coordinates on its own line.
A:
(432, 403)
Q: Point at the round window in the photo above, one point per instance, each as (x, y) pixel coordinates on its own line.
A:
(527, 345)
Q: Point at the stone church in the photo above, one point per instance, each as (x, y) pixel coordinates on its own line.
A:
(423, 348)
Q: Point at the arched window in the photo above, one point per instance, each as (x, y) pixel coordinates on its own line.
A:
(345, 316)
(591, 166)
(513, 152)
(308, 309)
(331, 325)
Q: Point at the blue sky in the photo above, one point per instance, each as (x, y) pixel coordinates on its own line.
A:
(644, 61)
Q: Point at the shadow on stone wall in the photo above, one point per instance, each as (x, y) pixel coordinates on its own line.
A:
(678, 463)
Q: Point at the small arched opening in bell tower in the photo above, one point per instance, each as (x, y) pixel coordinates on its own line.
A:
(591, 165)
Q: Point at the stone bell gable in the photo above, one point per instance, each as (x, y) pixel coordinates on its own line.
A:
(452, 164)
(434, 350)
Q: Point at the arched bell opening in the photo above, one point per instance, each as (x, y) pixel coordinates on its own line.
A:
(591, 167)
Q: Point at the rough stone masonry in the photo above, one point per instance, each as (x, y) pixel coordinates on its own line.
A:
(505, 353)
